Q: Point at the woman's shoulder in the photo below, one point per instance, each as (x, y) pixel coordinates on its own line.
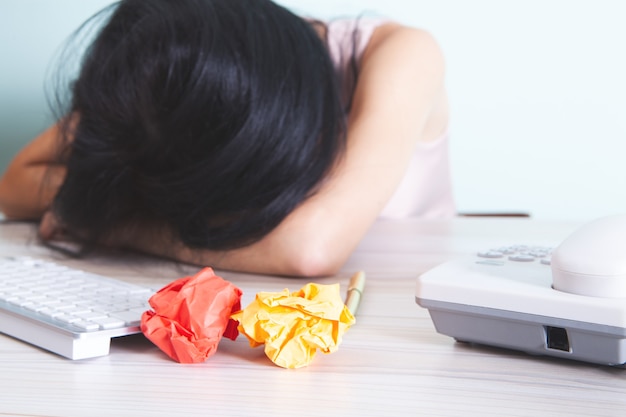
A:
(354, 39)
(407, 41)
(403, 52)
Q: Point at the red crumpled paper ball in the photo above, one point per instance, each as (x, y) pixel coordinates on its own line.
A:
(190, 316)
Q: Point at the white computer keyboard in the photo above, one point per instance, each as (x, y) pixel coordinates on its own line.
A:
(67, 311)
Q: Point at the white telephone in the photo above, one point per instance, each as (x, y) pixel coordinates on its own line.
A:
(568, 302)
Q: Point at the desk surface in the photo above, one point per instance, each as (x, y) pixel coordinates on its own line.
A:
(392, 362)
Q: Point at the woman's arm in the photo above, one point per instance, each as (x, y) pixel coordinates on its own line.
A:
(399, 101)
(32, 178)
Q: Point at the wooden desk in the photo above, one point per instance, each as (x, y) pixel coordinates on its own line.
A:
(391, 363)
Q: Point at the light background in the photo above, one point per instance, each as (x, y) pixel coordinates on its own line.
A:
(537, 88)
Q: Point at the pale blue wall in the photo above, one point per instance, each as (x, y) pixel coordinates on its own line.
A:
(31, 32)
(538, 92)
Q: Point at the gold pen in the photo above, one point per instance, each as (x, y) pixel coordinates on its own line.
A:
(355, 291)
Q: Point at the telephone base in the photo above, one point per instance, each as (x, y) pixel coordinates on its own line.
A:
(536, 335)
(512, 305)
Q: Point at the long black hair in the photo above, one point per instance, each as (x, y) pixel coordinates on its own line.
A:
(215, 118)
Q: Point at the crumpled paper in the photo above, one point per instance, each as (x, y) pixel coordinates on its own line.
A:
(293, 326)
(191, 315)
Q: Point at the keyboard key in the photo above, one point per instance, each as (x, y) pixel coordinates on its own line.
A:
(490, 254)
(128, 316)
(67, 318)
(91, 315)
(85, 325)
(522, 258)
(109, 322)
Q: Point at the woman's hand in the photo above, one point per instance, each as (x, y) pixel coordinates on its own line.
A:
(33, 177)
(50, 227)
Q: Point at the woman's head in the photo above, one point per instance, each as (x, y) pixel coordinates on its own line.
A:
(215, 117)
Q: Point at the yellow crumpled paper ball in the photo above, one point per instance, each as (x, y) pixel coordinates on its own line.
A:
(293, 326)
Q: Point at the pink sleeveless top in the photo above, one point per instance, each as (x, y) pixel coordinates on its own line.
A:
(426, 190)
